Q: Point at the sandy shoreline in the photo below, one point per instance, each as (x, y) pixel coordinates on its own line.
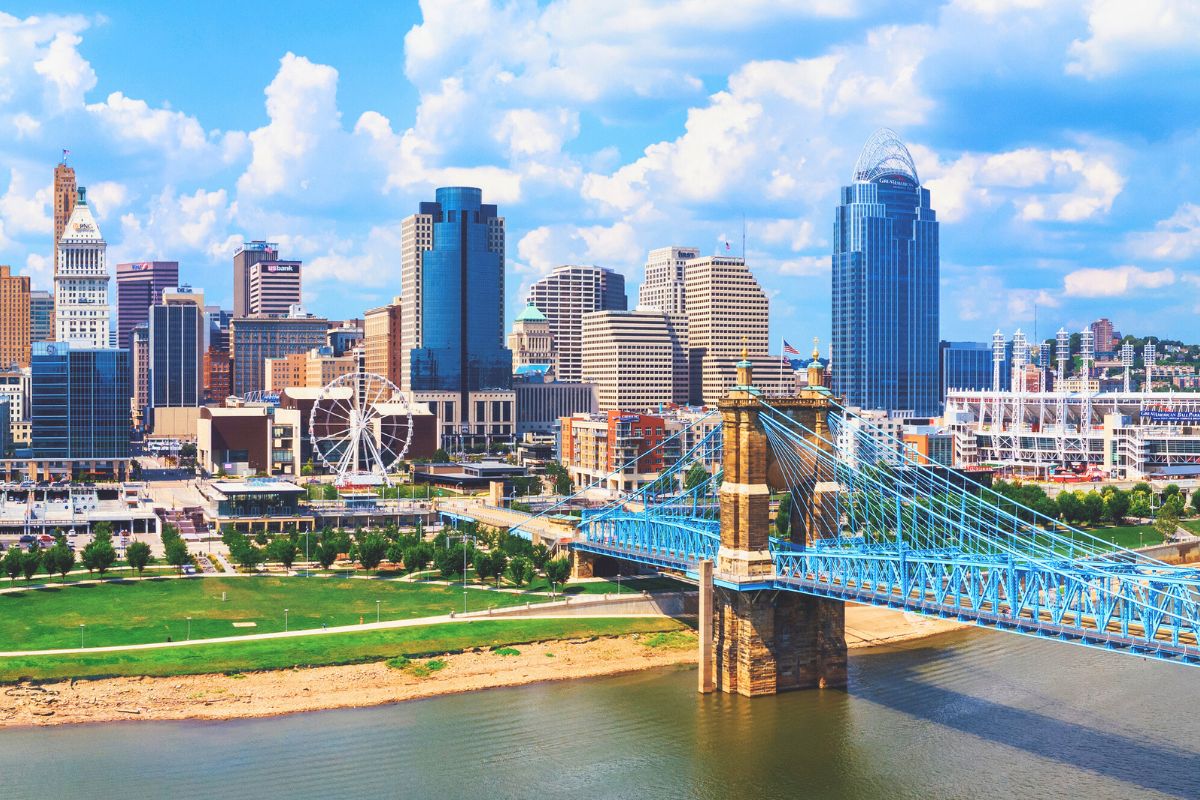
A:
(262, 694)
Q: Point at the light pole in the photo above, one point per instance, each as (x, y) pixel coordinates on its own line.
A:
(285, 627)
(189, 629)
(81, 636)
(376, 612)
(618, 583)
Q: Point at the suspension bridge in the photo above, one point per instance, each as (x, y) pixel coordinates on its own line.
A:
(869, 522)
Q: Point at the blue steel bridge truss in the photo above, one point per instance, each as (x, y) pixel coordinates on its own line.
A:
(876, 524)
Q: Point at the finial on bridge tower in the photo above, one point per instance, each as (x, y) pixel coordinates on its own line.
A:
(745, 368)
(816, 370)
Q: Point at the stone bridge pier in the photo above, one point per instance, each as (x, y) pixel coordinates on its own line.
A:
(764, 641)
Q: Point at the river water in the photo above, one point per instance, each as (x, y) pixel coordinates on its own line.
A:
(967, 715)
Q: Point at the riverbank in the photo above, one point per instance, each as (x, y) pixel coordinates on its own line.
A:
(286, 691)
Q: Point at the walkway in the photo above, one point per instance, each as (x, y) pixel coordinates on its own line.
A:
(542, 529)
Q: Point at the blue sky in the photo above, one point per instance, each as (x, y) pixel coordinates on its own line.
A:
(1059, 140)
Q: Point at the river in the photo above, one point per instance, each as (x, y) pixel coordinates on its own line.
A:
(966, 715)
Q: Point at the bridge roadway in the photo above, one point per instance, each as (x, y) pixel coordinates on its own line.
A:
(544, 530)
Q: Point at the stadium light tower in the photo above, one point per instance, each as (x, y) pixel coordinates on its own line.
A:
(1127, 362)
(1063, 346)
(1149, 356)
(997, 358)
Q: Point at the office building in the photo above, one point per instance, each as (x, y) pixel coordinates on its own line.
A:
(531, 342)
(309, 370)
(41, 316)
(381, 341)
(564, 296)
(885, 284)
(968, 365)
(541, 402)
(636, 359)
(727, 315)
(346, 337)
(255, 339)
(64, 200)
(285, 372)
(15, 390)
(244, 257)
(1104, 337)
(79, 407)
(139, 359)
(274, 287)
(663, 287)
(81, 312)
(218, 375)
(140, 285)
(176, 349)
(6, 441)
(14, 318)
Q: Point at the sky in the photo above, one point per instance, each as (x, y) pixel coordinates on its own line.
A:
(1058, 139)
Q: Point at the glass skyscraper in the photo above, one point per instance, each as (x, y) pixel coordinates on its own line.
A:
(885, 285)
(462, 298)
(79, 402)
(968, 365)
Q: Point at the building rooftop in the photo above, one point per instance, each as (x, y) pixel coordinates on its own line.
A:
(257, 486)
(531, 314)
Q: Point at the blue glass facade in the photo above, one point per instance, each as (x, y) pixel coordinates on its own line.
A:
(968, 365)
(79, 402)
(176, 342)
(885, 290)
(462, 297)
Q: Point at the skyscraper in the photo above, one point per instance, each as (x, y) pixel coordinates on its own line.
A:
(139, 286)
(255, 339)
(381, 340)
(637, 359)
(176, 350)
(14, 318)
(41, 316)
(243, 258)
(64, 200)
(274, 287)
(564, 296)
(663, 287)
(79, 403)
(81, 309)
(531, 341)
(885, 284)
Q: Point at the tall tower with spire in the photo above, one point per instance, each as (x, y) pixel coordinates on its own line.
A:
(64, 199)
(81, 280)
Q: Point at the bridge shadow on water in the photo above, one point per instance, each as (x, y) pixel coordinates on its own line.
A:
(1156, 766)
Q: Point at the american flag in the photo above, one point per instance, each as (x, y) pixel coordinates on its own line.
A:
(788, 350)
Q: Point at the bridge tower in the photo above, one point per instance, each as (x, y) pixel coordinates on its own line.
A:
(766, 641)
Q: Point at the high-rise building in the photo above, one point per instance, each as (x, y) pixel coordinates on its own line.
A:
(14, 318)
(81, 309)
(459, 334)
(176, 350)
(663, 287)
(381, 341)
(1103, 336)
(345, 338)
(255, 339)
(274, 287)
(139, 286)
(531, 341)
(139, 359)
(218, 375)
(41, 316)
(79, 402)
(64, 200)
(968, 365)
(564, 296)
(885, 284)
(15, 390)
(244, 257)
(727, 314)
(637, 359)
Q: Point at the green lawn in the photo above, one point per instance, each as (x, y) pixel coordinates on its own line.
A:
(344, 648)
(1130, 537)
(135, 612)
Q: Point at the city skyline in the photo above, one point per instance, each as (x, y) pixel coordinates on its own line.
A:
(1066, 208)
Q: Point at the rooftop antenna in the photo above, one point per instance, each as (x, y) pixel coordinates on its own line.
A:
(743, 236)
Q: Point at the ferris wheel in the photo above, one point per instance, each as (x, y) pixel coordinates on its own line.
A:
(361, 427)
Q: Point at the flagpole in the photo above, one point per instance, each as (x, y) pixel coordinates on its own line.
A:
(782, 356)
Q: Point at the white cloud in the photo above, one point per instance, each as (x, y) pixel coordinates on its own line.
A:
(175, 226)
(1173, 239)
(68, 76)
(1121, 32)
(138, 128)
(25, 206)
(1114, 281)
(107, 198)
(802, 266)
(546, 247)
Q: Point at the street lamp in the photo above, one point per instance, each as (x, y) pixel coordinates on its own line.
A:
(285, 624)
(618, 583)
(81, 636)
(377, 611)
(189, 629)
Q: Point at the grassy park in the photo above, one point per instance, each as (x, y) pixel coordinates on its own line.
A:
(329, 649)
(137, 612)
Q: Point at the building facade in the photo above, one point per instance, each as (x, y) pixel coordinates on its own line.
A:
(969, 365)
(531, 341)
(541, 404)
(15, 391)
(664, 286)
(274, 287)
(176, 350)
(79, 403)
(244, 257)
(140, 285)
(382, 330)
(885, 284)
(139, 362)
(218, 375)
(564, 296)
(64, 200)
(81, 312)
(14, 318)
(636, 359)
(41, 316)
(255, 339)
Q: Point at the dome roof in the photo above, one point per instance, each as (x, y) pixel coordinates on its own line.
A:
(531, 314)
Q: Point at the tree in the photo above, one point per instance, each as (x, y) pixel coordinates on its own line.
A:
(1139, 503)
(449, 560)
(783, 516)
(440, 456)
(1069, 506)
(1169, 491)
(483, 564)
(248, 556)
(327, 553)
(558, 570)
(540, 555)
(696, 475)
(30, 562)
(371, 550)
(416, 556)
(559, 477)
(283, 550)
(138, 556)
(1196, 500)
(100, 554)
(498, 565)
(308, 469)
(1116, 505)
(1093, 508)
(59, 558)
(12, 563)
(520, 569)
(1167, 521)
